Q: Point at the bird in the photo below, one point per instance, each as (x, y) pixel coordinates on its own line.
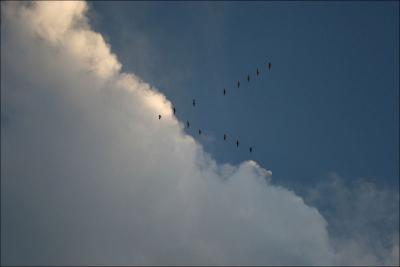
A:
(224, 137)
(194, 102)
(258, 72)
(237, 143)
(269, 65)
(159, 116)
(251, 149)
(224, 91)
(187, 124)
(174, 110)
(199, 131)
(238, 83)
(248, 77)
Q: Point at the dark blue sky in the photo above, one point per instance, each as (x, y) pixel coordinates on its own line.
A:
(329, 104)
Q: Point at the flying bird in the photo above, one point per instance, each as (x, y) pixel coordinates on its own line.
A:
(237, 143)
(238, 83)
(248, 77)
(159, 116)
(194, 102)
(187, 124)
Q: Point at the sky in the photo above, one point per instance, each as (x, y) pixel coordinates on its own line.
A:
(329, 104)
(90, 175)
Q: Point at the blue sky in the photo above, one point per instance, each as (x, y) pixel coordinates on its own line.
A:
(330, 103)
(91, 176)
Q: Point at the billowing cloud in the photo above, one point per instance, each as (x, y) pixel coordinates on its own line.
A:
(90, 176)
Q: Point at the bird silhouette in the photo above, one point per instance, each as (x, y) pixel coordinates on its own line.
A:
(238, 83)
(237, 143)
(248, 78)
(159, 116)
(258, 72)
(224, 137)
(251, 149)
(194, 102)
(269, 65)
(224, 91)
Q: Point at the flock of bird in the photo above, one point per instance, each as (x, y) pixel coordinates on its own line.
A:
(224, 92)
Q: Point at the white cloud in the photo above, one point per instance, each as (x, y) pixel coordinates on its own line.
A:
(90, 175)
